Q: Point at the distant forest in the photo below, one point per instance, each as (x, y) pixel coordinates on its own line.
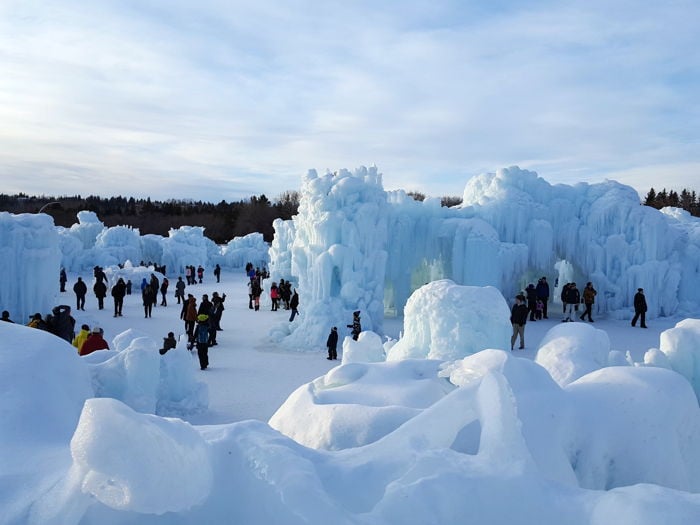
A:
(222, 221)
(686, 200)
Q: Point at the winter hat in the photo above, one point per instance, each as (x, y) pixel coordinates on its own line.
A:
(96, 330)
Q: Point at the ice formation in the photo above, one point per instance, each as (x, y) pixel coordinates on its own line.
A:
(355, 246)
(31, 258)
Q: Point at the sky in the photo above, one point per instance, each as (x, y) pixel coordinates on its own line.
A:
(224, 99)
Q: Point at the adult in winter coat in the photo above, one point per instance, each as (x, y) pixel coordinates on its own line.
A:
(80, 289)
(204, 306)
(589, 294)
(572, 299)
(6, 317)
(94, 342)
(256, 290)
(542, 290)
(356, 327)
(82, 336)
(168, 343)
(148, 294)
(100, 289)
(118, 293)
(180, 290)
(190, 316)
(294, 305)
(332, 344)
(164, 291)
(217, 273)
(61, 323)
(201, 340)
(37, 322)
(531, 294)
(63, 279)
(640, 308)
(518, 318)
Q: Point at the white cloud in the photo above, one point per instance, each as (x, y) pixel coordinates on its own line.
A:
(429, 94)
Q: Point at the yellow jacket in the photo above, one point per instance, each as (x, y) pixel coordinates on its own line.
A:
(80, 339)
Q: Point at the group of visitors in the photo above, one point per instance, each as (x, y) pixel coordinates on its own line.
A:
(88, 341)
(194, 275)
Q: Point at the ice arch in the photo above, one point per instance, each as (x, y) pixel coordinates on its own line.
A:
(355, 246)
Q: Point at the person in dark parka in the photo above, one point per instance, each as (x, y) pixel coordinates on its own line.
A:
(118, 293)
(100, 289)
(640, 308)
(531, 293)
(356, 327)
(61, 322)
(518, 318)
(332, 344)
(80, 289)
(542, 290)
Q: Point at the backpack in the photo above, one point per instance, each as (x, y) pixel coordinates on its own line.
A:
(202, 334)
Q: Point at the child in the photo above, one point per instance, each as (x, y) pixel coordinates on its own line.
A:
(539, 309)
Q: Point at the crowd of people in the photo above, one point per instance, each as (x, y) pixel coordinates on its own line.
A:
(202, 321)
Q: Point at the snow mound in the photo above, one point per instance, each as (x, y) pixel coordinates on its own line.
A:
(572, 350)
(443, 320)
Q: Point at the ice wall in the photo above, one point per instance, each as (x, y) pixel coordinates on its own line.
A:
(30, 259)
(512, 228)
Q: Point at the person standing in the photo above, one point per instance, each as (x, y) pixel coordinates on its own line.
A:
(190, 316)
(217, 272)
(200, 273)
(256, 290)
(640, 308)
(201, 338)
(531, 300)
(180, 290)
(100, 289)
(61, 322)
(518, 318)
(589, 294)
(80, 289)
(332, 344)
(118, 293)
(63, 279)
(294, 305)
(542, 290)
(149, 297)
(164, 291)
(356, 327)
(572, 300)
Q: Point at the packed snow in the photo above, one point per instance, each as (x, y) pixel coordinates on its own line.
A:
(428, 417)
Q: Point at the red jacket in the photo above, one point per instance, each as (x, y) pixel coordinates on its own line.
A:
(92, 343)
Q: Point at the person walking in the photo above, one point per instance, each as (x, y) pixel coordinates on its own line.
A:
(589, 294)
(118, 293)
(572, 300)
(640, 308)
(294, 305)
(518, 318)
(332, 344)
(80, 289)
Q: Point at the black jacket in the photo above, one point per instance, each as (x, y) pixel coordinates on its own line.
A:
(640, 302)
(332, 339)
(518, 314)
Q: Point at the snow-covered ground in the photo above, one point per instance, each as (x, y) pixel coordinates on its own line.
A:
(124, 467)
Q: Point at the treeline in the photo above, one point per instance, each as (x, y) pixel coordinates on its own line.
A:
(221, 221)
(686, 200)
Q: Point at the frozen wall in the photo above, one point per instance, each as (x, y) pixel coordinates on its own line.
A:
(511, 228)
(30, 259)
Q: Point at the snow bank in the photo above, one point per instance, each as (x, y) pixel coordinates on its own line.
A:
(681, 345)
(355, 404)
(443, 320)
(147, 382)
